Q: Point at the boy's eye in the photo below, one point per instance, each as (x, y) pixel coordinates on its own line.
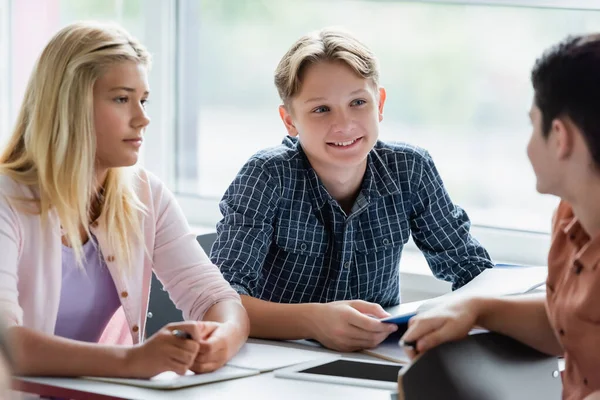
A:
(320, 109)
(121, 100)
(358, 102)
(144, 102)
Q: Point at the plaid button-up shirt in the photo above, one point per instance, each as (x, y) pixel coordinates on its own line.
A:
(283, 238)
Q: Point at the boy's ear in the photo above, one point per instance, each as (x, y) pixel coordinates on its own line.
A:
(382, 97)
(563, 133)
(286, 117)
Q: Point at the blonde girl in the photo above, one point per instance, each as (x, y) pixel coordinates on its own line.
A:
(81, 229)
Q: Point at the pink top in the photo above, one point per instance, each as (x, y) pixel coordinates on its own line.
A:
(31, 264)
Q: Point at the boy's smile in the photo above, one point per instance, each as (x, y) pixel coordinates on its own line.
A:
(336, 117)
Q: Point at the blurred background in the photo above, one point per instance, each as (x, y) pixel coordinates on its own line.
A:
(457, 76)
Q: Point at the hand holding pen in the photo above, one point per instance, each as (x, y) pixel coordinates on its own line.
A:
(173, 348)
(441, 324)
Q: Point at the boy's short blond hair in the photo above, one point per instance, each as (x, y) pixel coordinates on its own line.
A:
(325, 45)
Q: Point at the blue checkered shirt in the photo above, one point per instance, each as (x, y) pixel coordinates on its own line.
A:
(283, 238)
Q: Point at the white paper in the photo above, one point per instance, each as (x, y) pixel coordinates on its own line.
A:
(499, 281)
(264, 357)
(171, 380)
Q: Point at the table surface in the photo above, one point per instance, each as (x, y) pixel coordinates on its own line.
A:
(264, 386)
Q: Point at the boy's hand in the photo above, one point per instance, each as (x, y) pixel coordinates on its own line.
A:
(440, 324)
(220, 342)
(350, 325)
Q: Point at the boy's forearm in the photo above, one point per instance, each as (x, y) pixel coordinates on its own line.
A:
(270, 320)
(523, 318)
(38, 354)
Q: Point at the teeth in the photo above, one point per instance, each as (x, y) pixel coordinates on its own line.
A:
(343, 144)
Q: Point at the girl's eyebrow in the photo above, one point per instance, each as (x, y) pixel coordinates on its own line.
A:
(127, 89)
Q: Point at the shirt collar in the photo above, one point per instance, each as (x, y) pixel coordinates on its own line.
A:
(377, 182)
(587, 249)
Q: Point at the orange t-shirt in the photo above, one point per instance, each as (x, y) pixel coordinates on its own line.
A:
(573, 301)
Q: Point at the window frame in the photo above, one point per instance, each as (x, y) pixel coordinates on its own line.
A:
(166, 25)
(5, 68)
(505, 245)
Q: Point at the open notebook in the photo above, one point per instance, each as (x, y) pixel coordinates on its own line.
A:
(499, 281)
(252, 359)
(170, 380)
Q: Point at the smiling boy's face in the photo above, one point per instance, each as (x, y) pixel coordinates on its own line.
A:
(335, 115)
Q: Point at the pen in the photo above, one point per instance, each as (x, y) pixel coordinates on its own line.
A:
(181, 334)
(409, 343)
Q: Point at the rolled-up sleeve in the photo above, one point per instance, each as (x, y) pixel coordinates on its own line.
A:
(441, 230)
(245, 232)
(10, 310)
(187, 274)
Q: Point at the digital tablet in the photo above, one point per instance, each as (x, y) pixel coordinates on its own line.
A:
(346, 371)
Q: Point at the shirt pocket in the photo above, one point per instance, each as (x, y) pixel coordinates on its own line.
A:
(381, 238)
(308, 240)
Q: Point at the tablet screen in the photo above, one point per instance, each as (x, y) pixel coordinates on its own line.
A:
(357, 370)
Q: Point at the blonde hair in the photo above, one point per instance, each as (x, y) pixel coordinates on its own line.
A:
(53, 146)
(325, 45)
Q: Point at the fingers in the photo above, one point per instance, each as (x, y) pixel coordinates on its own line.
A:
(419, 327)
(429, 332)
(207, 328)
(190, 346)
(354, 340)
(369, 308)
(210, 357)
(177, 367)
(445, 333)
(369, 324)
(181, 356)
(202, 368)
(367, 343)
(194, 328)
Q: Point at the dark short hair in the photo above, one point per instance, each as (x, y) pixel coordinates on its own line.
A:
(566, 82)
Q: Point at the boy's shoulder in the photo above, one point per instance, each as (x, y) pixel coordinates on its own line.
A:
(394, 152)
(286, 154)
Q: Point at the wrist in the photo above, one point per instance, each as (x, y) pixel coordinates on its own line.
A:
(308, 319)
(480, 307)
(128, 355)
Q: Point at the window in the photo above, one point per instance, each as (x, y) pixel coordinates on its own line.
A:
(457, 78)
(4, 69)
(34, 22)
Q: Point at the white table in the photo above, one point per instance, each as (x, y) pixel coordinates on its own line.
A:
(264, 386)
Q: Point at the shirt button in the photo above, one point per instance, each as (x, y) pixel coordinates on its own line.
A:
(585, 381)
(347, 264)
(124, 294)
(303, 246)
(149, 315)
(577, 267)
(135, 329)
(110, 258)
(386, 241)
(561, 332)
